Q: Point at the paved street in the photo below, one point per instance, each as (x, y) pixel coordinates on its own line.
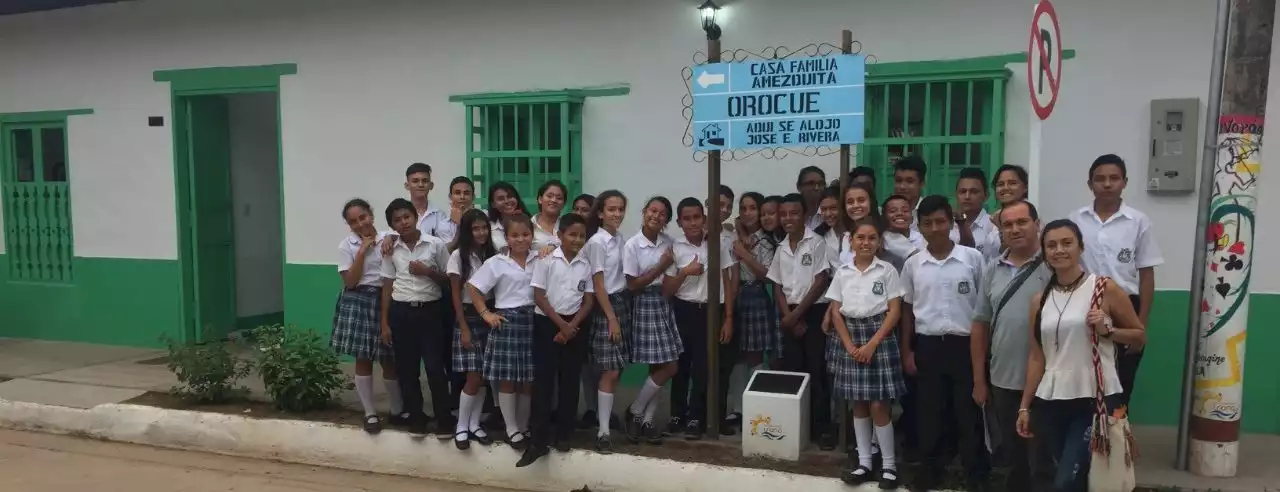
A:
(33, 462)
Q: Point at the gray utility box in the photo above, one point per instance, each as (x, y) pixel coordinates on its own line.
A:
(1174, 147)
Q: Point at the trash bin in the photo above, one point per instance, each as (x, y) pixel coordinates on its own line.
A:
(775, 412)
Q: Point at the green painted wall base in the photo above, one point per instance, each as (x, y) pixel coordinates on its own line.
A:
(251, 322)
(112, 301)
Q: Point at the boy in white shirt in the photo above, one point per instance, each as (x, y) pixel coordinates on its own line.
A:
(973, 226)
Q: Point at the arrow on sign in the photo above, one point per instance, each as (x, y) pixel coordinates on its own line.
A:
(708, 79)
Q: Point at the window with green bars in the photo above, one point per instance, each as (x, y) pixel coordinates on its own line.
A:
(524, 139)
(37, 202)
(949, 113)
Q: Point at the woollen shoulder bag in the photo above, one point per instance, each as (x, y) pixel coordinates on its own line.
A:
(1111, 445)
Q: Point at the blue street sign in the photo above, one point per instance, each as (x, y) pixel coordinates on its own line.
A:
(779, 103)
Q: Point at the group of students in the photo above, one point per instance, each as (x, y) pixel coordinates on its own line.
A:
(874, 306)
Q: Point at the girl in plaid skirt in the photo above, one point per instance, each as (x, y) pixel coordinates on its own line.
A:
(867, 294)
(654, 338)
(609, 352)
(773, 233)
(356, 327)
(508, 355)
(470, 331)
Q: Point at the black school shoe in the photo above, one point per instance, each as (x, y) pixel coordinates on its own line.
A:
(372, 424)
(462, 440)
(531, 455)
(399, 420)
(674, 426)
(856, 476)
(651, 433)
(888, 479)
(693, 430)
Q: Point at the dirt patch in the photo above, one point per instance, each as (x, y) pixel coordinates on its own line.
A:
(158, 361)
(252, 409)
(3, 379)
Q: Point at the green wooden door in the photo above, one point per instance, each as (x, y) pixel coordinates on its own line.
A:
(208, 147)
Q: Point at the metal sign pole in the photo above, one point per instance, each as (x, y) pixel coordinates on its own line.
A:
(713, 275)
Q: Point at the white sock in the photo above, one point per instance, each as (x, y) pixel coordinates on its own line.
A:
(647, 392)
(887, 459)
(510, 406)
(862, 435)
(393, 394)
(464, 412)
(526, 408)
(604, 403)
(477, 408)
(651, 409)
(364, 388)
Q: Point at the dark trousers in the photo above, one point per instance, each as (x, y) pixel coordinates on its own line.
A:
(416, 336)
(906, 424)
(447, 319)
(1127, 363)
(1065, 427)
(1016, 452)
(693, 366)
(807, 353)
(944, 373)
(556, 370)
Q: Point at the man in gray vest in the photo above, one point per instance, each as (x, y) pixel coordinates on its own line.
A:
(1001, 333)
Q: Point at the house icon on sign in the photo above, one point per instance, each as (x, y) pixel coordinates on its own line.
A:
(711, 136)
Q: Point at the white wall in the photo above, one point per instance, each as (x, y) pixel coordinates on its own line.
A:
(255, 192)
(371, 93)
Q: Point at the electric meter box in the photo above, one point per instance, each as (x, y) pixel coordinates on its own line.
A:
(1174, 147)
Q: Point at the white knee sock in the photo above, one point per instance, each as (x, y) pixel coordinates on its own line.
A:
(651, 409)
(364, 388)
(510, 405)
(464, 412)
(393, 394)
(477, 407)
(604, 402)
(526, 408)
(884, 434)
(647, 392)
(862, 434)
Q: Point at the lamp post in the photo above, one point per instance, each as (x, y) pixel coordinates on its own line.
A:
(708, 10)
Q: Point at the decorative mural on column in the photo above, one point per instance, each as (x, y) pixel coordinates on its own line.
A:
(1225, 302)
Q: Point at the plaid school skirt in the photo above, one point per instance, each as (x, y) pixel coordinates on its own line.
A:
(654, 337)
(472, 360)
(604, 354)
(755, 319)
(881, 380)
(508, 354)
(356, 324)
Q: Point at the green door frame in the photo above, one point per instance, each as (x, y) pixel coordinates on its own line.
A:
(203, 82)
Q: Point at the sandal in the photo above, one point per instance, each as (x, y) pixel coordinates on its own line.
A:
(888, 479)
(372, 424)
(479, 435)
(856, 476)
(462, 440)
(517, 441)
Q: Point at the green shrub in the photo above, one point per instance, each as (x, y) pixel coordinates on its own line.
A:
(298, 368)
(207, 373)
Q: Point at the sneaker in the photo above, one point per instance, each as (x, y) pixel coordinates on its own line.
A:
(888, 479)
(651, 433)
(693, 430)
(589, 420)
(635, 424)
(372, 424)
(604, 445)
(674, 426)
(856, 476)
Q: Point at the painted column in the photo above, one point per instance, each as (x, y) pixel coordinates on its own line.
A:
(1217, 402)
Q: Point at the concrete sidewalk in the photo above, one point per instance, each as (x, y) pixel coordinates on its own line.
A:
(84, 376)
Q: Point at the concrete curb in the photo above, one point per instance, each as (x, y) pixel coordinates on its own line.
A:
(396, 453)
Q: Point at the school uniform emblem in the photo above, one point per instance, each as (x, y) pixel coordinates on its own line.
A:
(806, 259)
(963, 287)
(877, 288)
(582, 286)
(1125, 256)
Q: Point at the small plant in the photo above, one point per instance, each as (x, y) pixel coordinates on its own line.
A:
(298, 369)
(207, 373)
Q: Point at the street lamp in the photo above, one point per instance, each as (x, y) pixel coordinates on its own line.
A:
(708, 10)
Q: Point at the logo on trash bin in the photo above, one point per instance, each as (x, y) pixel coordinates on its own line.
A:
(763, 426)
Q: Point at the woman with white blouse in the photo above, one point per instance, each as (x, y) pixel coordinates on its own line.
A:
(504, 202)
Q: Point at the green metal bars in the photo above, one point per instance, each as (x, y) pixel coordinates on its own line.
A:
(952, 119)
(525, 141)
(36, 200)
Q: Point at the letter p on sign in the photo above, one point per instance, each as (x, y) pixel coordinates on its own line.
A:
(1044, 59)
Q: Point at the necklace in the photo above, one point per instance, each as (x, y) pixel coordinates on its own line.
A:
(1057, 326)
(1071, 287)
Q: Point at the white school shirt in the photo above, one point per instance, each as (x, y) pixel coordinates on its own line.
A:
(543, 237)
(455, 268)
(762, 250)
(429, 221)
(565, 281)
(794, 270)
(694, 288)
(640, 255)
(834, 242)
(944, 294)
(511, 285)
(863, 294)
(1119, 247)
(372, 261)
(604, 251)
(498, 235)
(814, 220)
(986, 236)
(903, 246)
(407, 287)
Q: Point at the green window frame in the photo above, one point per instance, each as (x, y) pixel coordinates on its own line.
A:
(35, 182)
(524, 139)
(950, 113)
